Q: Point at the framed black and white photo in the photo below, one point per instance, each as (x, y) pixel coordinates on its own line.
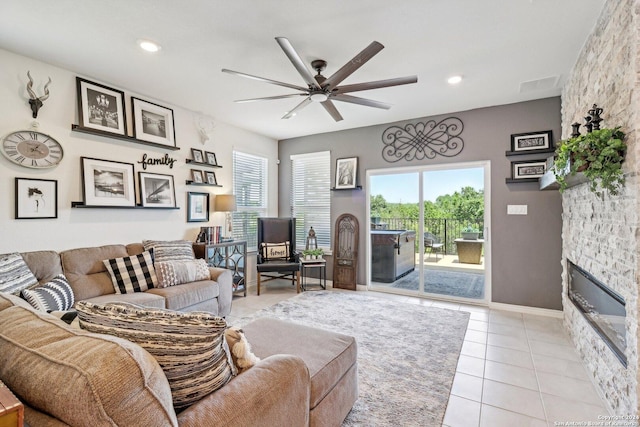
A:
(531, 142)
(197, 176)
(528, 169)
(346, 171)
(197, 207)
(157, 190)
(101, 107)
(197, 155)
(211, 158)
(36, 198)
(211, 178)
(107, 183)
(153, 122)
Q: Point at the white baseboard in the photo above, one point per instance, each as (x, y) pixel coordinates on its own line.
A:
(559, 314)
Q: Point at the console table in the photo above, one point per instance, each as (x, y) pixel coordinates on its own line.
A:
(469, 251)
(229, 255)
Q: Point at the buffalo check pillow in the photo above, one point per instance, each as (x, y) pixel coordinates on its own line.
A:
(134, 273)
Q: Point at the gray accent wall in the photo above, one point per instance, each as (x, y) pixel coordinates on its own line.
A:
(526, 250)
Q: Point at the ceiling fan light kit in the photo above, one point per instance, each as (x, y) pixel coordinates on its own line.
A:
(323, 90)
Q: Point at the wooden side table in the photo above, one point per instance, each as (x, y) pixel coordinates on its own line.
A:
(229, 255)
(11, 409)
(469, 251)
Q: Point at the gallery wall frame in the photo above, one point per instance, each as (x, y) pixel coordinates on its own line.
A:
(153, 122)
(157, 190)
(211, 158)
(531, 169)
(532, 142)
(346, 173)
(101, 107)
(197, 207)
(36, 198)
(107, 183)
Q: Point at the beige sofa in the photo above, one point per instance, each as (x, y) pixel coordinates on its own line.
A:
(90, 280)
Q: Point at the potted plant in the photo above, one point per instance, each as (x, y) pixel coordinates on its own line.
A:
(598, 155)
(307, 254)
(470, 233)
(317, 253)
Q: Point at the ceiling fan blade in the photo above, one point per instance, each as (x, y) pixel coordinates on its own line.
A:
(332, 110)
(358, 61)
(262, 79)
(376, 85)
(361, 101)
(297, 62)
(297, 108)
(269, 98)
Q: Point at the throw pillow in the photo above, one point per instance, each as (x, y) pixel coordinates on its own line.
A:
(15, 274)
(171, 273)
(189, 347)
(130, 274)
(170, 250)
(55, 295)
(275, 250)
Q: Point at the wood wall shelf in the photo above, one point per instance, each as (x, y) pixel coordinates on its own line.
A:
(203, 183)
(89, 131)
(525, 152)
(193, 162)
(81, 205)
(358, 187)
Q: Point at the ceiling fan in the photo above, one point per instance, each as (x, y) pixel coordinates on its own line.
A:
(326, 90)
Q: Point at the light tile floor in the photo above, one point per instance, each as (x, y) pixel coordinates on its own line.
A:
(514, 369)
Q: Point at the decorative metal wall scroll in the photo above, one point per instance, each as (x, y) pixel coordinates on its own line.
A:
(423, 140)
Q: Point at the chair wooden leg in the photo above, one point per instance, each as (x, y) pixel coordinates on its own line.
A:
(258, 283)
(297, 281)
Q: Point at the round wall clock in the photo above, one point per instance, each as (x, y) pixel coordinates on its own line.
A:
(32, 149)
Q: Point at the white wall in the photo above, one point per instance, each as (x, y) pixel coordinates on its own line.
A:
(89, 227)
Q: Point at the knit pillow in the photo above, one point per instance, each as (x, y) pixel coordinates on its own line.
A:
(189, 347)
(130, 274)
(55, 295)
(170, 250)
(171, 273)
(15, 274)
(271, 251)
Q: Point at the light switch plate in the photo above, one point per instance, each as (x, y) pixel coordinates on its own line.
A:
(516, 209)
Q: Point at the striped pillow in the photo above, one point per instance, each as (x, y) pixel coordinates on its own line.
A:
(170, 250)
(189, 347)
(15, 274)
(130, 274)
(55, 295)
(171, 273)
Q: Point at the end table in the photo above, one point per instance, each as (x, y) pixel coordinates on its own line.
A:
(310, 264)
(229, 255)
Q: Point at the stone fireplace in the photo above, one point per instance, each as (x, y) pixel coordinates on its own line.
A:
(601, 235)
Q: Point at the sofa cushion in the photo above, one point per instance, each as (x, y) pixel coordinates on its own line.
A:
(188, 294)
(171, 273)
(133, 273)
(189, 346)
(55, 295)
(14, 274)
(145, 299)
(170, 250)
(45, 265)
(81, 378)
(9, 300)
(86, 272)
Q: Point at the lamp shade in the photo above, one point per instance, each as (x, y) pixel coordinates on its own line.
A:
(225, 203)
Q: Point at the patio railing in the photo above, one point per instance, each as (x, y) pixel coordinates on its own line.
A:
(447, 230)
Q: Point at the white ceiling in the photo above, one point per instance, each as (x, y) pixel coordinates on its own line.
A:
(495, 44)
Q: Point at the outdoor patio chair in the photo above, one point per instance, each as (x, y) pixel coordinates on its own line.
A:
(433, 244)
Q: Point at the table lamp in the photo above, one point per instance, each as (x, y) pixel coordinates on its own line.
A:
(226, 203)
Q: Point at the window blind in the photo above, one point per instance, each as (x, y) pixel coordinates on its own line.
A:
(250, 188)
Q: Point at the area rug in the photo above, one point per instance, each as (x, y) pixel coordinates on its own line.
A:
(407, 353)
(454, 283)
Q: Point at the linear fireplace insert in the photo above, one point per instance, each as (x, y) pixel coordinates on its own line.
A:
(603, 308)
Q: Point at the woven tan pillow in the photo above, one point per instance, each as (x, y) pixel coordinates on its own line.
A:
(171, 273)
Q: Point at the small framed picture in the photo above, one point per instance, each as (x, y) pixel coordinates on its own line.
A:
(346, 171)
(36, 198)
(197, 207)
(101, 107)
(211, 178)
(211, 158)
(197, 155)
(528, 169)
(107, 183)
(197, 176)
(531, 142)
(153, 123)
(157, 190)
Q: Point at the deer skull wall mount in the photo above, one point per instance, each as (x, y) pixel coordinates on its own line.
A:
(35, 101)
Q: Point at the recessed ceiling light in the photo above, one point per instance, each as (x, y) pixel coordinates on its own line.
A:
(149, 46)
(454, 80)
